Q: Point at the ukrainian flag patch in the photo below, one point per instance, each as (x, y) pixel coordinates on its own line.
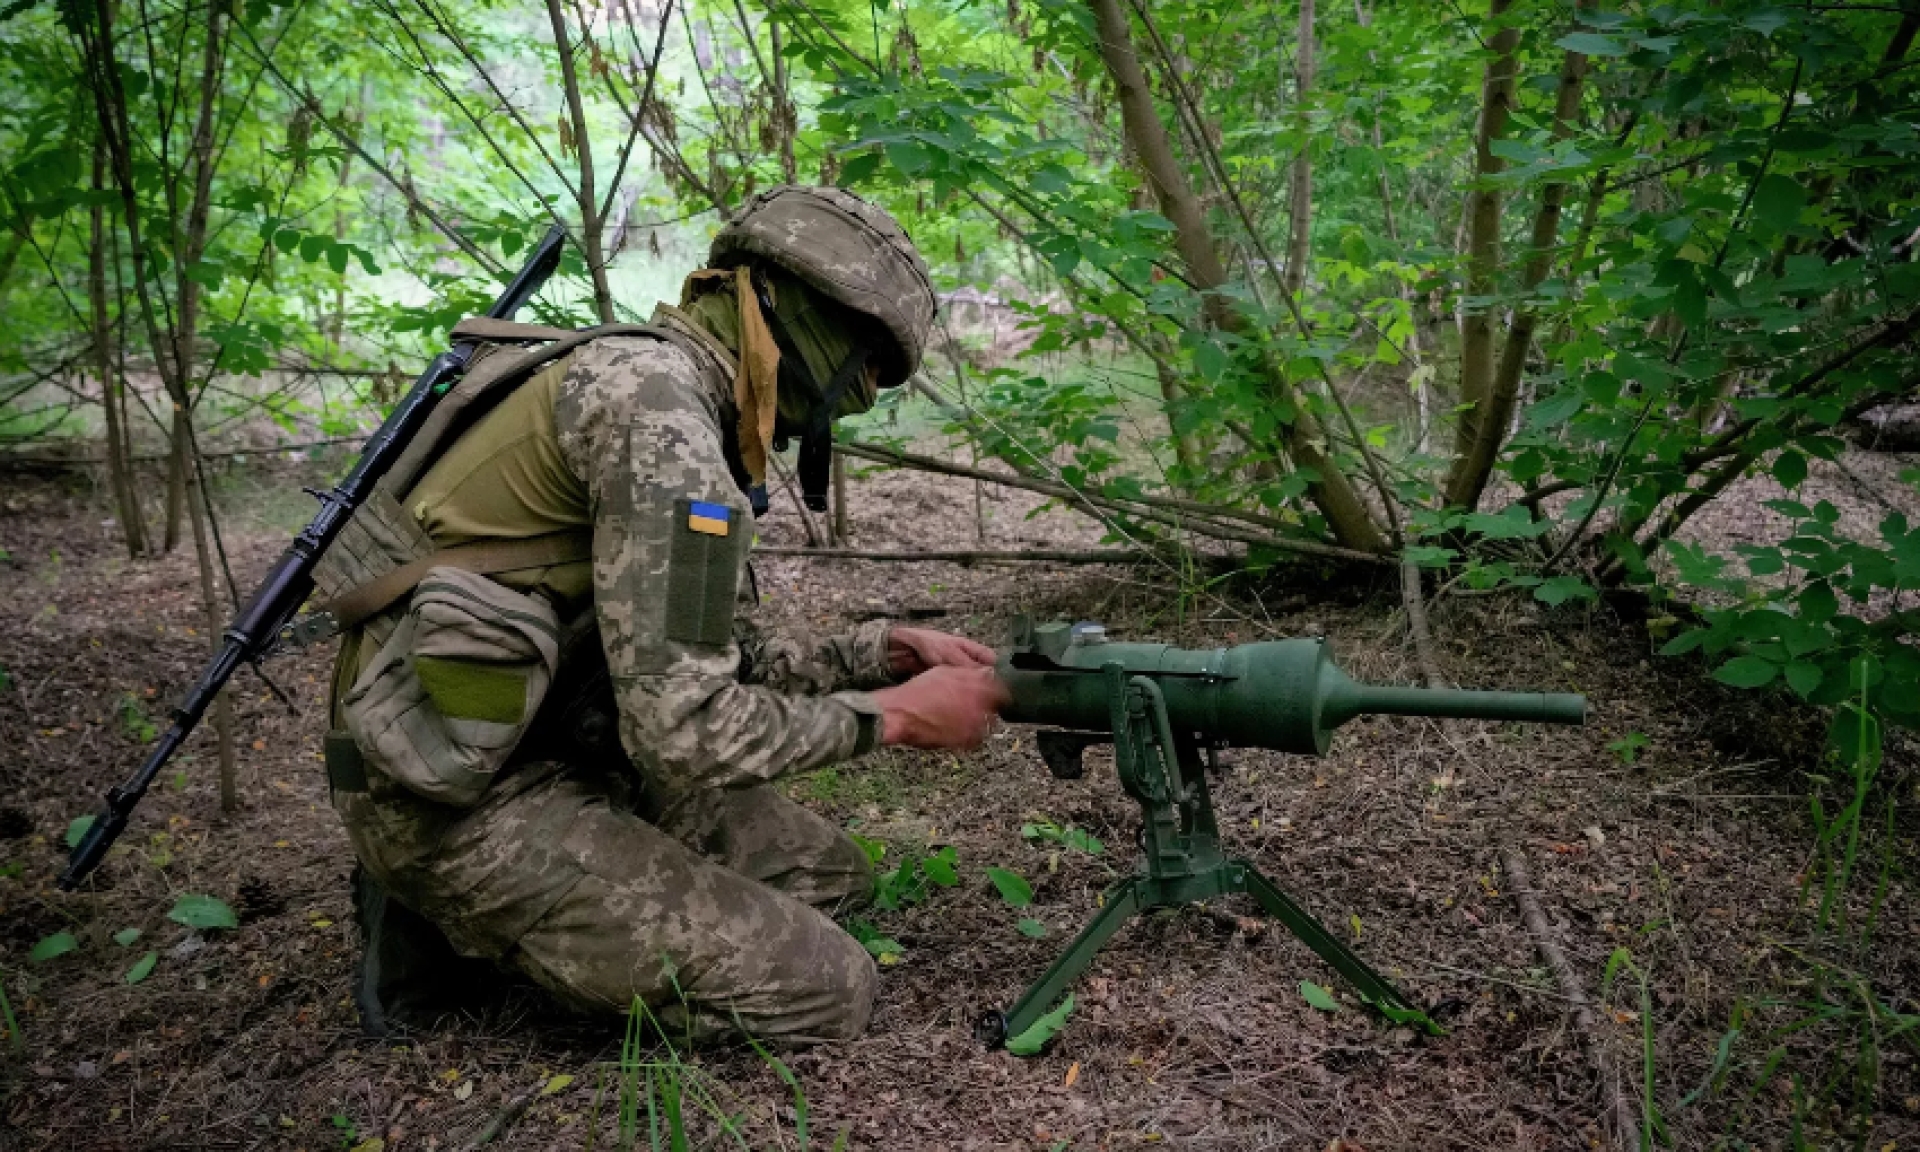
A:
(712, 519)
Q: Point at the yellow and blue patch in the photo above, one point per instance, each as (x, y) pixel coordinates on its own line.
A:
(712, 519)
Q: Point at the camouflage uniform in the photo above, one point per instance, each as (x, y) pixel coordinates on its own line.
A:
(674, 872)
(690, 880)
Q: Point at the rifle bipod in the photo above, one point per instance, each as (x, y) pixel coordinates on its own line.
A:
(1164, 772)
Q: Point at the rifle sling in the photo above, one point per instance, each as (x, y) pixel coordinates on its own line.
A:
(484, 557)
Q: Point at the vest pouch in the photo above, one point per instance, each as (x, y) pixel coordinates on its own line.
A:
(452, 690)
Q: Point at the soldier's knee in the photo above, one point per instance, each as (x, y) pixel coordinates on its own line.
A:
(849, 991)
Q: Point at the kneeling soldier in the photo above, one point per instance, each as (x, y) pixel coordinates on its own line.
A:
(568, 564)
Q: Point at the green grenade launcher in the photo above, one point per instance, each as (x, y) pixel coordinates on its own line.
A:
(1167, 711)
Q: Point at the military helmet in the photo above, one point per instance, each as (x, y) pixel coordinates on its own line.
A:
(852, 252)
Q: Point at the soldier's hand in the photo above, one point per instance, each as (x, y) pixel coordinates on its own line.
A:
(911, 651)
(945, 707)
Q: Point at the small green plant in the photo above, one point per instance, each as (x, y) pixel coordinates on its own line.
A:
(1065, 835)
(912, 881)
(1651, 1124)
(1628, 747)
(344, 1125)
(134, 720)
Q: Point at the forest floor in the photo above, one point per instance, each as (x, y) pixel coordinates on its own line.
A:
(1192, 1030)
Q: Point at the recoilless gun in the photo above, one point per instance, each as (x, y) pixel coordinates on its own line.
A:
(1167, 711)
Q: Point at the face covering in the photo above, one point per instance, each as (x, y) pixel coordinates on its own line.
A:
(777, 400)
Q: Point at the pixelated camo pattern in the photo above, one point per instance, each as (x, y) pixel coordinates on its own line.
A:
(679, 877)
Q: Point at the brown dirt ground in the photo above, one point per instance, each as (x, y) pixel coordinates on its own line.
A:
(1192, 1032)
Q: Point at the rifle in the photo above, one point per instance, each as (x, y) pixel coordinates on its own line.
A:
(1167, 711)
(260, 625)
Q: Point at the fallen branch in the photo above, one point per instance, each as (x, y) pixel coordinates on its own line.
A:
(977, 556)
(1617, 1118)
(28, 460)
(503, 1119)
(1189, 515)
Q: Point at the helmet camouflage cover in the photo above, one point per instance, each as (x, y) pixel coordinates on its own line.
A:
(851, 251)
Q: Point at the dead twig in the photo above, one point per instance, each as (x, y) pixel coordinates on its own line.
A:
(503, 1119)
(1617, 1116)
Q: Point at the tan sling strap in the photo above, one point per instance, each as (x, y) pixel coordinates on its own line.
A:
(482, 557)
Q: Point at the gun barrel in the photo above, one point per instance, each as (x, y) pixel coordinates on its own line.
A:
(1523, 707)
(1287, 695)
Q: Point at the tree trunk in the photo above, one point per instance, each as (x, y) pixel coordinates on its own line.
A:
(590, 238)
(1483, 247)
(1473, 462)
(1348, 518)
(1300, 187)
(783, 106)
(202, 512)
(118, 466)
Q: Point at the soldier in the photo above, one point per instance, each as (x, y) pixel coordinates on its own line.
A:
(665, 867)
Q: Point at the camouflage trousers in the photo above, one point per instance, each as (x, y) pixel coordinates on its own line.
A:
(712, 910)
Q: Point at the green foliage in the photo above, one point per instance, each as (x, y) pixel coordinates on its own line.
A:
(142, 968)
(134, 720)
(202, 912)
(1045, 831)
(1013, 887)
(77, 830)
(1629, 747)
(1318, 997)
(913, 879)
(1029, 1042)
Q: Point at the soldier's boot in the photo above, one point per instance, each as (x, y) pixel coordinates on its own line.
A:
(408, 974)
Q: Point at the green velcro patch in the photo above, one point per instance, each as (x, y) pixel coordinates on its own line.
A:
(465, 690)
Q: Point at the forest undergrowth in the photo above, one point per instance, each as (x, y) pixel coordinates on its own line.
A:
(1672, 833)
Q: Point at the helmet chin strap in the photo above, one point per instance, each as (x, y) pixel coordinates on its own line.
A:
(816, 433)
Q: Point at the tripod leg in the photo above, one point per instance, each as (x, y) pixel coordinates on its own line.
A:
(1372, 986)
(1122, 902)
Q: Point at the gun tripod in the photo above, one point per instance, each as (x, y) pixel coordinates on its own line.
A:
(1164, 772)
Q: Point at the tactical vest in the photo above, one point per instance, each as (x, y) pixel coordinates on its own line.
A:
(365, 580)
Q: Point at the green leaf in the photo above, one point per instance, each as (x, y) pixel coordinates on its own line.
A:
(910, 158)
(337, 258)
(1028, 926)
(859, 168)
(1746, 672)
(1684, 643)
(126, 936)
(1318, 997)
(1803, 678)
(1790, 468)
(940, 868)
(314, 246)
(1561, 589)
(203, 912)
(77, 830)
(142, 968)
(882, 945)
(1030, 1042)
(1778, 200)
(58, 944)
(1591, 44)
(1013, 887)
